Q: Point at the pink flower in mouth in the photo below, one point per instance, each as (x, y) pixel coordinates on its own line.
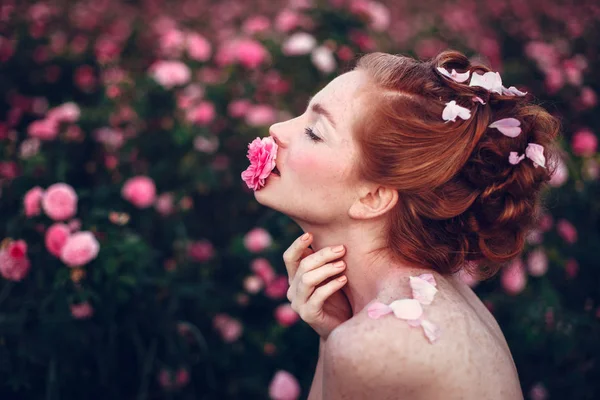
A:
(262, 154)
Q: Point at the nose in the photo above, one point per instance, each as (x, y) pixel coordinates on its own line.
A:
(275, 133)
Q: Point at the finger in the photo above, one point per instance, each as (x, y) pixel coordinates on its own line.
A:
(308, 282)
(294, 254)
(310, 310)
(320, 258)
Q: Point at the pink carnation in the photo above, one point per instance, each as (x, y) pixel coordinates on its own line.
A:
(14, 263)
(513, 278)
(263, 269)
(139, 191)
(201, 114)
(277, 288)
(229, 328)
(43, 129)
(170, 73)
(67, 112)
(566, 231)
(198, 47)
(201, 251)
(584, 143)
(257, 240)
(260, 115)
(80, 249)
(284, 386)
(251, 53)
(56, 238)
(60, 202)
(32, 201)
(262, 154)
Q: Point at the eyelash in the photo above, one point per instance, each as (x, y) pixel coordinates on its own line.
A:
(311, 134)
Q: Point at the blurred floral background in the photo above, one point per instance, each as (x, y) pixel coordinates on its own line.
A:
(134, 261)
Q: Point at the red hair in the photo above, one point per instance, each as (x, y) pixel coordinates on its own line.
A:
(461, 203)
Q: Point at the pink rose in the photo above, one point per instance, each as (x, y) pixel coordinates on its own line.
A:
(284, 386)
(82, 310)
(139, 191)
(43, 129)
(32, 201)
(171, 43)
(513, 278)
(201, 114)
(67, 112)
(229, 328)
(566, 231)
(257, 240)
(260, 115)
(80, 249)
(262, 154)
(60, 202)
(537, 262)
(584, 143)
(300, 43)
(14, 263)
(201, 251)
(263, 269)
(256, 24)
(253, 284)
(588, 98)
(56, 237)
(170, 73)
(285, 315)
(251, 53)
(164, 204)
(287, 20)
(238, 108)
(277, 288)
(198, 47)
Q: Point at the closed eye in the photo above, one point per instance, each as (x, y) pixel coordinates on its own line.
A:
(311, 134)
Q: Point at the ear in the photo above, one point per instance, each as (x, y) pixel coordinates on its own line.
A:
(373, 201)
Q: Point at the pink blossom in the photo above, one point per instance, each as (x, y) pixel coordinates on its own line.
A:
(80, 249)
(554, 80)
(571, 268)
(588, 97)
(513, 278)
(260, 115)
(14, 263)
(546, 221)
(538, 392)
(43, 129)
(32, 201)
(164, 204)
(262, 154)
(584, 143)
(201, 114)
(60, 202)
(198, 47)
(251, 53)
(561, 174)
(206, 145)
(257, 240)
(139, 191)
(106, 49)
(256, 24)
(238, 108)
(56, 238)
(229, 328)
(7, 49)
(9, 170)
(284, 386)
(253, 284)
(171, 43)
(262, 267)
(201, 250)
(277, 288)
(285, 315)
(287, 20)
(170, 73)
(82, 310)
(537, 262)
(323, 59)
(85, 78)
(67, 112)
(566, 231)
(298, 44)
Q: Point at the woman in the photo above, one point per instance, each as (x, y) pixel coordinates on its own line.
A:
(395, 172)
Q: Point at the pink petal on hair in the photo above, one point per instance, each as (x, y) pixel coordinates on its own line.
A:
(414, 322)
(429, 278)
(490, 81)
(407, 309)
(508, 126)
(512, 91)
(453, 110)
(479, 99)
(458, 77)
(431, 330)
(514, 158)
(377, 310)
(422, 290)
(535, 153)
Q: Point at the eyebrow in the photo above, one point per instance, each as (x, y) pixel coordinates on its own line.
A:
(319, 109)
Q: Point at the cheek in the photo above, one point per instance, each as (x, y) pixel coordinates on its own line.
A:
(316, 169)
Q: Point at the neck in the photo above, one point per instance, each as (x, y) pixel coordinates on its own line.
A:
(372, 273)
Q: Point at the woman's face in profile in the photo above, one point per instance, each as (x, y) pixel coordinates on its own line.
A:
(316, 156)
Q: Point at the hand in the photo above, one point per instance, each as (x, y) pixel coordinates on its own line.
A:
(320, 303)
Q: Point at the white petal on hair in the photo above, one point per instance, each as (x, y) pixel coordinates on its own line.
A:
(535, 153)
(458, 77)
(512, 91)
(510, 127)
(453, 110)
(492, 81)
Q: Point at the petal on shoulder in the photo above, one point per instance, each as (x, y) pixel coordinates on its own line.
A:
(385, 358)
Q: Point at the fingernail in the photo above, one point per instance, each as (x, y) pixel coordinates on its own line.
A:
(338, 249)
(341, 278)
(305, 237)
(338, 264)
